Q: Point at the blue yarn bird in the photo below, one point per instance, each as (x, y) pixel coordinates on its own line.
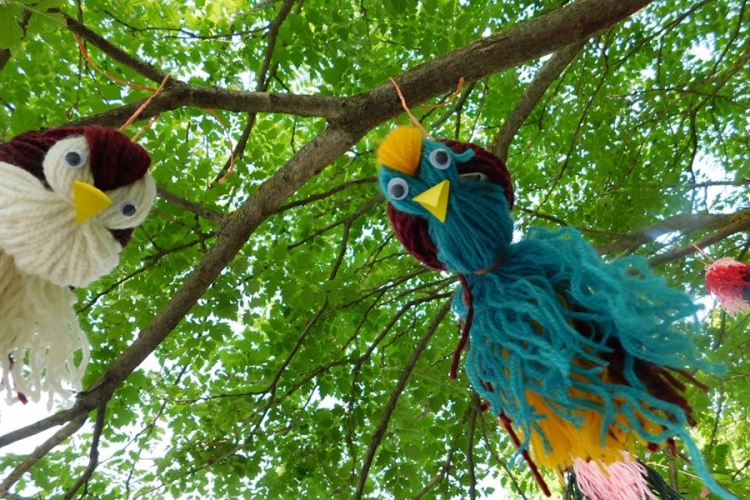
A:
(578, 357)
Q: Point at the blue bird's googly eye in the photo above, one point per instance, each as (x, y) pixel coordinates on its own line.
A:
(398, 189)
(75, 158)
(128, 208)
(440, 159)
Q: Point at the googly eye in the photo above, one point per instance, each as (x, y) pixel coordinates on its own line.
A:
(398, 189)
(128, 208)
(75, 158)
(440, 159)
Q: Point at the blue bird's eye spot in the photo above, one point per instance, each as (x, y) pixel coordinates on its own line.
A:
(398, 189)
(440, 159)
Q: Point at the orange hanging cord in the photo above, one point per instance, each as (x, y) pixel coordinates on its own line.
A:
(426, 106)
(145, 104)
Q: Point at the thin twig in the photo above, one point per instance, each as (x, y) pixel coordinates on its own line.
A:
(93, 454)
(551, 70)
(379, 433)
(326, 194)
(190, 206)
(473, 413)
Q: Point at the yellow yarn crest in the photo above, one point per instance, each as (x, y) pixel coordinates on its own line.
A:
(401, 150)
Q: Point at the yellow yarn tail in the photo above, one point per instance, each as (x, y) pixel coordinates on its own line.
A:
(565, 442)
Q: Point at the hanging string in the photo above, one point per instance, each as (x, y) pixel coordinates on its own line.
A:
(704, 254)
(408, 111)
(413, 118)
(507, 425)
(86, 56)
(452, 98)
(145, 104)
(231, 146)
(144, 128)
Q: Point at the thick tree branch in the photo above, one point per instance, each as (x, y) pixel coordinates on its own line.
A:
(741, 223)
(182, 95)
(551, 70)
(574, 23)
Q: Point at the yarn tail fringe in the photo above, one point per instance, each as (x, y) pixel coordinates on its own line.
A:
(702, 471)
(657, 487)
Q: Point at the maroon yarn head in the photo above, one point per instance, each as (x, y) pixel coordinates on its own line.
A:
(115, 161)
(412, 232)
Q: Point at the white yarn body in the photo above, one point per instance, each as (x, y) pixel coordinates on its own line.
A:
(39, 330)
(38, 228)
(44, 252)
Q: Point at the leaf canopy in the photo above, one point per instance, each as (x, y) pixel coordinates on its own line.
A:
(276, 315)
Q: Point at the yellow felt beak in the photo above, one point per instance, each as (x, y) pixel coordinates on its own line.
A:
(88, 201)
(435, 199)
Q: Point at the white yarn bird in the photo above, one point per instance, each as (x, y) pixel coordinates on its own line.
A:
(69, 200)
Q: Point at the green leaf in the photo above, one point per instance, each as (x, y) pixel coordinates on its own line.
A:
(11, 32)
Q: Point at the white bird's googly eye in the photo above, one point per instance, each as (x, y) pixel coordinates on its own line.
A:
(128, 208)
(398, 189)
(75, 158)
(440, 159)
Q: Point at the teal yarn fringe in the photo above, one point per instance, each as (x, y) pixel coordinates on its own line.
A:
(619, 309)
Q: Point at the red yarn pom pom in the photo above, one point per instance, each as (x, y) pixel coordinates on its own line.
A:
(729, 281)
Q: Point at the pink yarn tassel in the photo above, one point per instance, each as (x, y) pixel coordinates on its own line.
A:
(618, 480)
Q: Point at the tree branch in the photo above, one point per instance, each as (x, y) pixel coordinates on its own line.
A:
(574, 23)
(93, 454)
(261, 84)
(473, 413)
(190, 206)
(740, 223)
(148, 70)
(183, 95)
(551, 70)
(630, 242)
(39, 453)
(330, 192)
(379, 434)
